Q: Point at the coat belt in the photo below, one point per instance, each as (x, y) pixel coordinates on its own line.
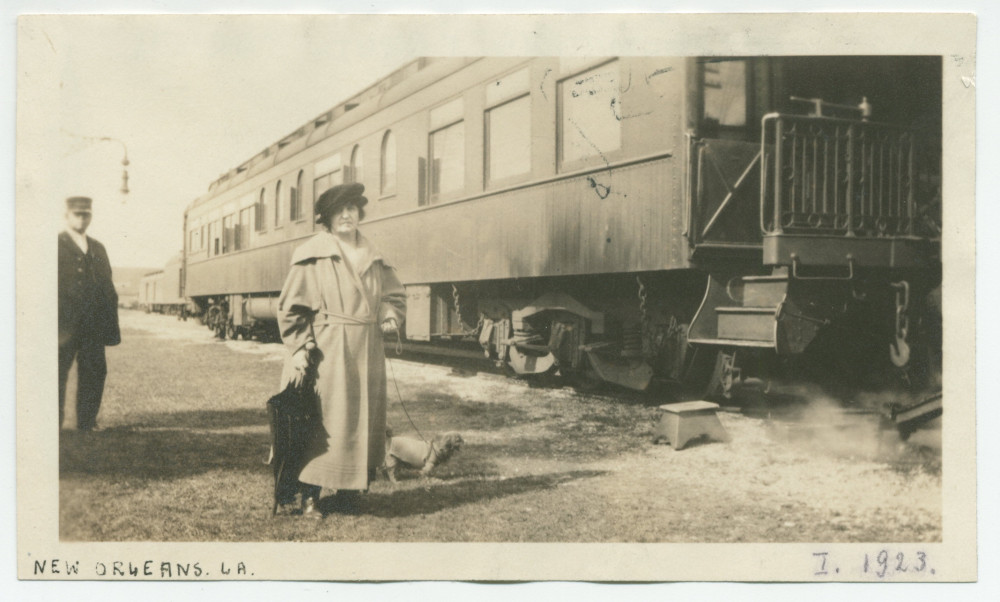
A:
(330, 317)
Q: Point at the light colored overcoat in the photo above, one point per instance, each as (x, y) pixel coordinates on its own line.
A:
(340, 306)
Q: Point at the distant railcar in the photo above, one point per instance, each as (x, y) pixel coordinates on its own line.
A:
(160, 291)
(724, 223)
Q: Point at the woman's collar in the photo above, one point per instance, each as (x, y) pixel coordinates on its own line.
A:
(326, 244)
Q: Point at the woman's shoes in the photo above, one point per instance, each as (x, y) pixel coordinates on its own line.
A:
(344, 502)
(310, 510)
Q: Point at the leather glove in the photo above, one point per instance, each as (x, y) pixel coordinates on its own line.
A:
(389, 326)
(300, 363)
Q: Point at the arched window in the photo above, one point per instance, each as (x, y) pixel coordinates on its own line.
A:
(357, 165)
(387, 173)
(295, 202)
(277, 203)
(260, 217)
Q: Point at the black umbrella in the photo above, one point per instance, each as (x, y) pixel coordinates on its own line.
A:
(292, 415)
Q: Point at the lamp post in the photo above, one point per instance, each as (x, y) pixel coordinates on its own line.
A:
(124, 188)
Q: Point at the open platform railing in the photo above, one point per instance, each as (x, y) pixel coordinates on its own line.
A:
(836, 176)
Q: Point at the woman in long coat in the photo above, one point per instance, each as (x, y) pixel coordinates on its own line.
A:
(339, 295)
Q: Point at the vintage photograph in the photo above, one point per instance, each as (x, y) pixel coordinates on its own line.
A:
(640, 298)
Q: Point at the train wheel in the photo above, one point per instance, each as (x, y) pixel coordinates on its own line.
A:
(724, 374)
(220, 327)
(212, 318)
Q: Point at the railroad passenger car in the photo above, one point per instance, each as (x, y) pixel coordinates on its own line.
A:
(160, 291)
(723, 222)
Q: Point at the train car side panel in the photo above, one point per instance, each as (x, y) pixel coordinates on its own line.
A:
(254, 271)
(566, 227)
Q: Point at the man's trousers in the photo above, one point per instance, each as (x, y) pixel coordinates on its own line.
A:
(92, 368)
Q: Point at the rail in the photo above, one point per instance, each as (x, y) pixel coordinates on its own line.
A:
(837, 176)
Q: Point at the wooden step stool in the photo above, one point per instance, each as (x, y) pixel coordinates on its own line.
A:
(680, 423)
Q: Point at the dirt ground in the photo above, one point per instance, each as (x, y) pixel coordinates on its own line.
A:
(185, 436)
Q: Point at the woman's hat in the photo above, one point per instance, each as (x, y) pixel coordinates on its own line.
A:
(334, 198)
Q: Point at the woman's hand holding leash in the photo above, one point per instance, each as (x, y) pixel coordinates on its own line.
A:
(389, 326)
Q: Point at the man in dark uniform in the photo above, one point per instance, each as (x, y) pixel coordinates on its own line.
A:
(88, 313)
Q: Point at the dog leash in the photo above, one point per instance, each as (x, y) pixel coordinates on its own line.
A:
(392, 373)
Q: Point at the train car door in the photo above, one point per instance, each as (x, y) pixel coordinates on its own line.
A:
(725, 151)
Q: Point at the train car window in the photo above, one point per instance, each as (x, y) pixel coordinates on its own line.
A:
(277, 204)
(329, 172)
(508, 140)
(296, 198)
(227, 234)
(387, 165)
(447, 151)
(589, 105)
(238, 232)
(725, 93)
(243, 239)
(356, 171)
(322, 183)
(260, 213)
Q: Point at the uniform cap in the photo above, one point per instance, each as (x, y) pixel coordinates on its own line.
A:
(79, 203)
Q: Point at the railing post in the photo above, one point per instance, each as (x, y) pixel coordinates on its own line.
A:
(815, 169)
(911, 185)
(778, 184)
(838, 134)
(850, 180)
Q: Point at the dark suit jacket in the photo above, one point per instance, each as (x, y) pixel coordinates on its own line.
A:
(82, 303)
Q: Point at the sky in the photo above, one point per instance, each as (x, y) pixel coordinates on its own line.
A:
(190, 98)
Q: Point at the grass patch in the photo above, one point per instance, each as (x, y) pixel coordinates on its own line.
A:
(181, 459)
(437, 412)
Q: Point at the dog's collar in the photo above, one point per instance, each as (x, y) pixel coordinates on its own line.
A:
(431, 452)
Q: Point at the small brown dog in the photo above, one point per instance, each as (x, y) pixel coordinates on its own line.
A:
(418, 454)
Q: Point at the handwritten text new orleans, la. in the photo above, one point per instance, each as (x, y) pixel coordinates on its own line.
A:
(145, 569)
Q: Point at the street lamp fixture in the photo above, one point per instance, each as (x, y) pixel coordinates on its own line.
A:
(124, 188)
